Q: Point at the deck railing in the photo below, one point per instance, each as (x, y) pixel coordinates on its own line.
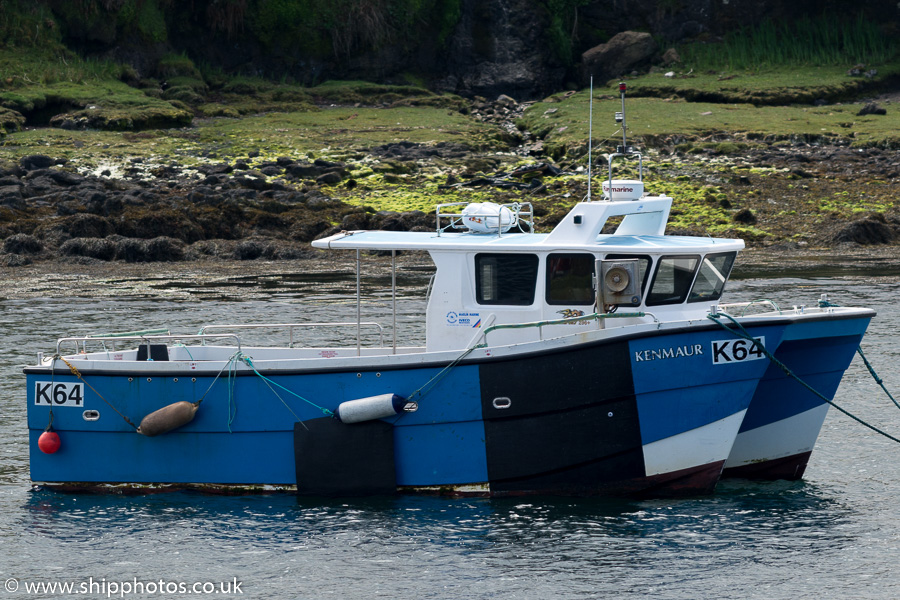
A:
(292, 326)
(144, 339)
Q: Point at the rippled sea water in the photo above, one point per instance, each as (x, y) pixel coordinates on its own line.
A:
(834, 535)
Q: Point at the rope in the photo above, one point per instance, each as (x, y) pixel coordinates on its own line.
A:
(824, 303)
(219, 374)
(77, 374)
(875, 376)
(743, 333)
(186, 349)
(431, 383)
(249, 362)
(232, 381)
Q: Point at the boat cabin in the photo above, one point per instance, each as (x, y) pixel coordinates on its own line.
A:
(492, 269)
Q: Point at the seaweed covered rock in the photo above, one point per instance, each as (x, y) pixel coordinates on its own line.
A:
(10, 121)
(118, 118)
(22, 243)
(99, 248)
(868, 231)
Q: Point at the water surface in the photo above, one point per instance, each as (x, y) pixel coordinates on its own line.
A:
(833, 535)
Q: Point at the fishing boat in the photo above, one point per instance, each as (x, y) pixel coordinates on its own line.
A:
(596, 359)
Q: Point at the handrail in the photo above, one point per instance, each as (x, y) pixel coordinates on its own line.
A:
(291, 326)
(121, 334)
(145, 338)
(125, 334)
(540, 324)
(746, 305)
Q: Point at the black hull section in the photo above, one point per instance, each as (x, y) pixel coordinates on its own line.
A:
(562, 423)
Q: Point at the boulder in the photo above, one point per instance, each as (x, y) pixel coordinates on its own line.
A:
(871, 109)
(304, 170)
(671, 57)
(625, 51)
(330, 178)
(22, 243)
(36, 161)
(250, 250)
(866, 232)
(745, 216)
(355, 221)
(64, 177)
(98, 248)
(11, 195)
(10, 120)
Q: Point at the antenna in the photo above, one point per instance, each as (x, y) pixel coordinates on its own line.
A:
(624, 149)
(590, 135)
(624, 128)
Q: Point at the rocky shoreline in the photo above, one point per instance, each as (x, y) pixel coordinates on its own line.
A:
(240, 208)
(229, 211)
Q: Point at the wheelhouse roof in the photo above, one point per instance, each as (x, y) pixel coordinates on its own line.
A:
(522, 242)
(641, 230)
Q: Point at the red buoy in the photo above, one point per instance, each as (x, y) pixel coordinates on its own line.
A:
(49, 442)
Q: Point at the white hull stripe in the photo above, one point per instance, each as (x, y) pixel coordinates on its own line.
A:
(787, 437)
(703, 445)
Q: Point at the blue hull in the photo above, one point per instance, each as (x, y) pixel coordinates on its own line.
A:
(784, 418)
(649, 415)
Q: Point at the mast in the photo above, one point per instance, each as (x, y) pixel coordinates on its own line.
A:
(590, 135)
(624, 149)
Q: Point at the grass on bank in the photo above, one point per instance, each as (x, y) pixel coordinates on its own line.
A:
(562, 121)
(771, 87)
(335, 134)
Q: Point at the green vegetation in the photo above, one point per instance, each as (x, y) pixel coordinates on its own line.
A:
(341, 132)
(754, 92)
(773, 87)
(33, 66)
(821, 41)
(335, 134)
(25, 24)
(323, 28)
(562, 122)
(563, 16)
(846, 203)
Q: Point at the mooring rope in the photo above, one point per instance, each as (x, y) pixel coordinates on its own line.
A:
(825, 303)
(431, 383)
(249, 362)
(743, 333)
(875, 376)
(219, 374)
(77, 374)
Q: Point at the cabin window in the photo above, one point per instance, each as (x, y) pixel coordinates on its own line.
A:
(714, 271)
(505, 278)
(643, 266)
(672, 279)
(569, 279)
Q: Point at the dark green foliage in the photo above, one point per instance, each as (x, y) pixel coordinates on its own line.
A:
(562, 15)
(821, 41)
(340, 27)
(177, 65)
(24, 24)
(109, 21)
